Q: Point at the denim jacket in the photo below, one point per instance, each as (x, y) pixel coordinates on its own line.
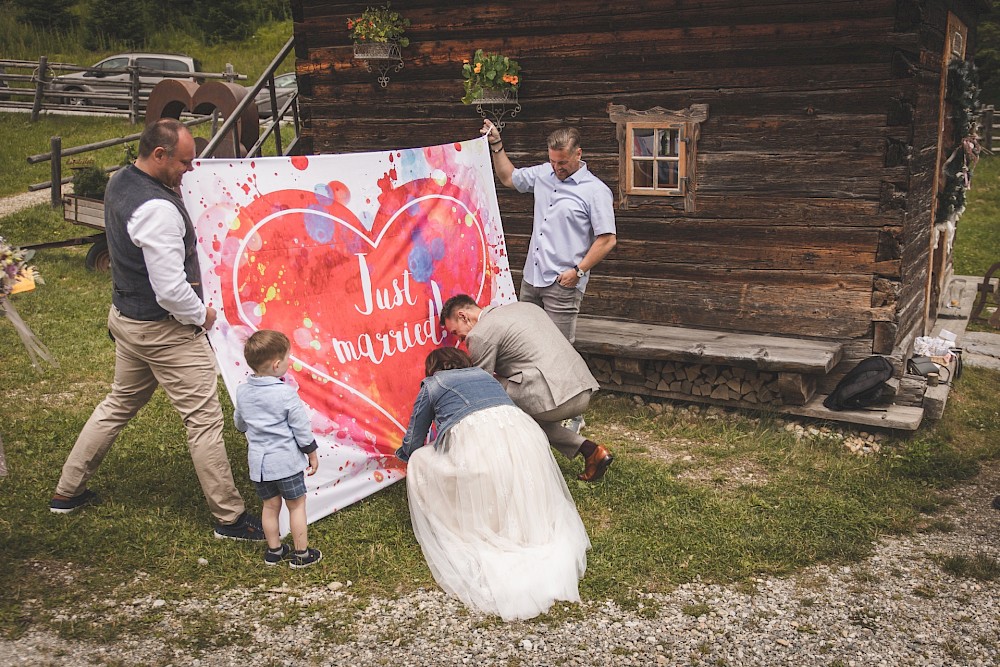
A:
(445, 398)
(277, 425)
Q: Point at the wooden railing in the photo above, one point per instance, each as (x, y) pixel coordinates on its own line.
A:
(274, 126)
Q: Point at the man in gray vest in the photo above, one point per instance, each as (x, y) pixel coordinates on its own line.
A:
(160, 325)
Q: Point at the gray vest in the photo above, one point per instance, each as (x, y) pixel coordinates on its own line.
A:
(127, 190)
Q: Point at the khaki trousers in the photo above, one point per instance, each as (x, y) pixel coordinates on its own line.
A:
(177, 357)
(565, 441)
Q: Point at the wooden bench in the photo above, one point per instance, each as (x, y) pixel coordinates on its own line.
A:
(698, 364)
(743, 370)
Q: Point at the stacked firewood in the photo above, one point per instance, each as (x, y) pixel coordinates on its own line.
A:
(723, 383)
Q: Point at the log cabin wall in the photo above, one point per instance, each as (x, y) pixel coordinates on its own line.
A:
(814, 167)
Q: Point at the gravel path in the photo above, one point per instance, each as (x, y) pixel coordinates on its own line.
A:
(15, 203)
(898, 607)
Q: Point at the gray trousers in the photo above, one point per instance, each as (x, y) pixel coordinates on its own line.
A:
(562, 439)
(562, 304)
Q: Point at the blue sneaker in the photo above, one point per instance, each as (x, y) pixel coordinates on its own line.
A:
(247, 528)
(275, 557)
(64, 505)
(305, 558)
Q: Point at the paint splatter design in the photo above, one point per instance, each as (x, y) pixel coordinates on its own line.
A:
(351, 256)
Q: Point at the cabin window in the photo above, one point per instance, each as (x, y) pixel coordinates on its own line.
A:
(655, 159)
(657, 151)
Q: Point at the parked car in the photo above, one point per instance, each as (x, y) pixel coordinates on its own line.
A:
(284, 87)
(104, 77)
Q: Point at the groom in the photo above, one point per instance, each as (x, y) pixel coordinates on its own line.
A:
(540, 370)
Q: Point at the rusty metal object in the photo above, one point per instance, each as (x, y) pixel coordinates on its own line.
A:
(171, 97)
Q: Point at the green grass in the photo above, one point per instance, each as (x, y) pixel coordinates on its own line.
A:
(658, 520)
(23, 138)
(651, 526)
(977, 236)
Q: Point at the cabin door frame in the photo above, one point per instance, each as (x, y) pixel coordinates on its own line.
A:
(939, 258)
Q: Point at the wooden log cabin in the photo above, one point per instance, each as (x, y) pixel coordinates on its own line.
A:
(794, 226)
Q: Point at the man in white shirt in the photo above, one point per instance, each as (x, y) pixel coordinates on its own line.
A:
(573, 227)
(160, 327)
(572, 231)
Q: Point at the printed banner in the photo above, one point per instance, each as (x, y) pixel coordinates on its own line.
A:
(351, 257)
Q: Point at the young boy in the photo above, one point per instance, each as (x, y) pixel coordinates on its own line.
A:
(279, 433)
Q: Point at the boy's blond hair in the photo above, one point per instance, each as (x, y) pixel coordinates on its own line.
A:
(264, 346)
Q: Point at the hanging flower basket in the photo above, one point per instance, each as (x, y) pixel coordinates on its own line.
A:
(491, 78)
(492, 96)
(376, 51)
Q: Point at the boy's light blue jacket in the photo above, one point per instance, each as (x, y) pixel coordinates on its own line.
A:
(277, 426)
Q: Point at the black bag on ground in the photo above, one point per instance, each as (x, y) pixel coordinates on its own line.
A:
(864, 385)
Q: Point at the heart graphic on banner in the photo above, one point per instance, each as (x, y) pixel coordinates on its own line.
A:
(359, 305)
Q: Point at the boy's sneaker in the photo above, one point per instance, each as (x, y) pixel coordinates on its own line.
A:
(305, 559)
(64, 505)
(275, 557)
(246, 528)
(575, 424)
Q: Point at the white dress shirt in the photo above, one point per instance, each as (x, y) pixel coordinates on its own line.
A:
(157, 227)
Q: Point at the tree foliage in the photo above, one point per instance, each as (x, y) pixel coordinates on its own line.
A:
(988, 54)
(123, 21)
(48, 15)
(225, 20)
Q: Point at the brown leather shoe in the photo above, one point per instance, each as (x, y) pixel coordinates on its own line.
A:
(597, 464)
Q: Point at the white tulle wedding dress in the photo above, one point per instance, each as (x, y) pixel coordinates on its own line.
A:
(494, 518)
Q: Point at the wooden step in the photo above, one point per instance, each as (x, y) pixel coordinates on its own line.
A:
(901, 417)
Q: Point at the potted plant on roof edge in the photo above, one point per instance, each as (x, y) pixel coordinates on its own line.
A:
(378, 33)
(491, 78)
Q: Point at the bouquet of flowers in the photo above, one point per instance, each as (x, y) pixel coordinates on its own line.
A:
(379, 24)
(16, 275)
(489, 72)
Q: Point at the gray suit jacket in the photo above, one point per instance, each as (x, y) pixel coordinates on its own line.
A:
(537, 366)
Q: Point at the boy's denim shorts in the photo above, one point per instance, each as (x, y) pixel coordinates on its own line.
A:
(289, 488)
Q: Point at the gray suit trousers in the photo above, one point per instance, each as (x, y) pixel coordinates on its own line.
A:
(562, 439)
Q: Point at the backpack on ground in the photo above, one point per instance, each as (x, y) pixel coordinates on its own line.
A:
(863, 386)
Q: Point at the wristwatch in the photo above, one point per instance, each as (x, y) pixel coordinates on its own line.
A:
(580, 273)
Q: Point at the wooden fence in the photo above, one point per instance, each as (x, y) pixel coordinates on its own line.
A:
(27, 84)
(987, 128)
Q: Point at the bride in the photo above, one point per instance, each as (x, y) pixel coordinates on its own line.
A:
(488, 503)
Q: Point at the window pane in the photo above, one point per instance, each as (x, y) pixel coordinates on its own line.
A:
(146, 64)
(114, 63)
(642, 142)
(668, 142)
(642, 174)
(666, 174)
